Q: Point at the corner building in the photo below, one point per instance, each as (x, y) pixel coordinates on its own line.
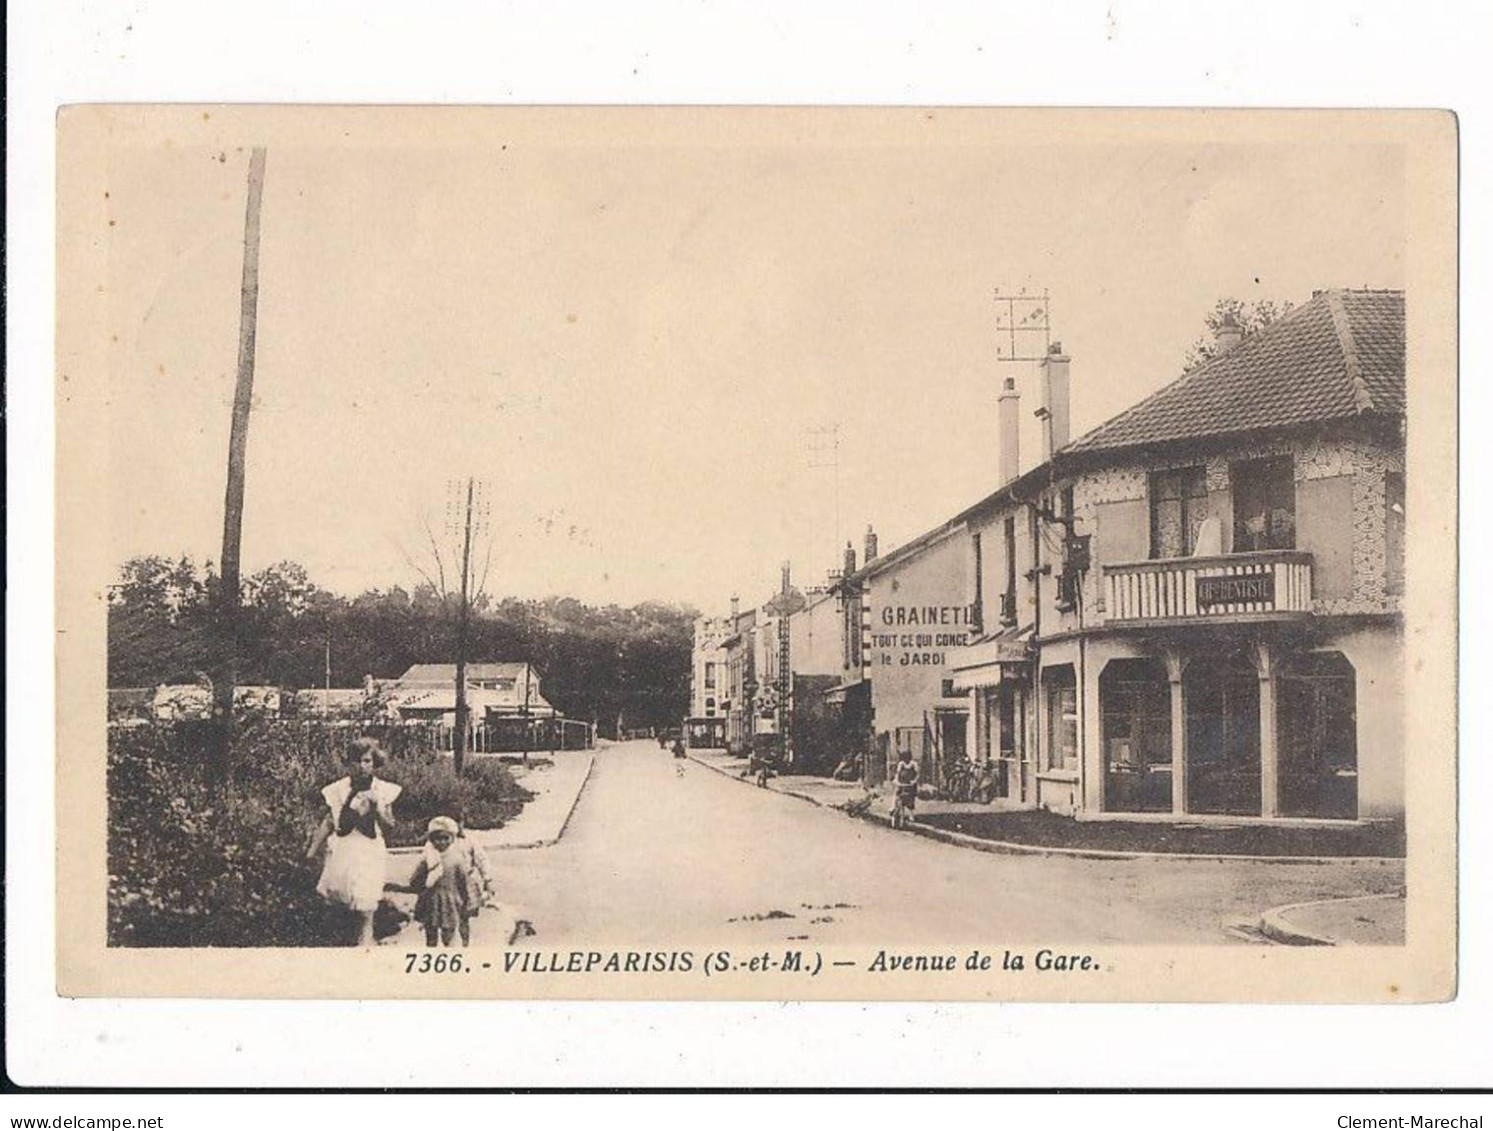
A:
(1195, 608)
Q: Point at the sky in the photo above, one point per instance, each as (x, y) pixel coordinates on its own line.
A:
(626, 326)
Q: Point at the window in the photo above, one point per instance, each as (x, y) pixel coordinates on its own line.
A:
(1318, 736)
(1135, 719)
(1179, 504)
(1062, 718)
(1264, 505)
(978, 617)
(1008, 598)
(710, 676)
(1394, 532)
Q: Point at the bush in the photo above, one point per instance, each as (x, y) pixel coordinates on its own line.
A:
(484, 797)
(190, 866)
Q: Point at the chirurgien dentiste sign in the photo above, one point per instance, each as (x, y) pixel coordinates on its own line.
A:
(919, 635)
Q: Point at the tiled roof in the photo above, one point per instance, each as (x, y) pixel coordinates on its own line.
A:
(446, 673)
(1340, 355)
(478, 699)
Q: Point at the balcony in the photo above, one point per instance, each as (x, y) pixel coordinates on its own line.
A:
(1268, 585)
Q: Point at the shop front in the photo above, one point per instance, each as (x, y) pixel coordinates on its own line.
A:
(1241, 726)
(997, 672)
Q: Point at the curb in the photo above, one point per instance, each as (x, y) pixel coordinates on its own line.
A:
(1274, 927)
(1012, 848)
(545, 842)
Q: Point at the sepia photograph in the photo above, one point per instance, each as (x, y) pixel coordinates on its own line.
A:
(760, 553)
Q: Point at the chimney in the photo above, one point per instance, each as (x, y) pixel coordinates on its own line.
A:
(1010, 429)
(735, 610)
(869, 555)
(1054, 398)
(1228, 334)
(849, 559)
(787, 582)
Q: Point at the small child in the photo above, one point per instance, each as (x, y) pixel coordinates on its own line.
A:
(449, 890)
(487, 890)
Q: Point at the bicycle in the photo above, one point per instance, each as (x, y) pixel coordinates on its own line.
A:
(904, 800)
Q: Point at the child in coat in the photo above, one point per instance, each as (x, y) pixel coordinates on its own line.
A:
(450, 891)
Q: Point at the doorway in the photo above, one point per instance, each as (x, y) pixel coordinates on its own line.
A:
(1318, 736)
(1135, 710)
(1222, 697)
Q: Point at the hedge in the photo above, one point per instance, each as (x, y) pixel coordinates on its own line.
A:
(194, 866)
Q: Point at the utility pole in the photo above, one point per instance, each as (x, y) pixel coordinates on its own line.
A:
(459, 748)
(233, 500)
(526, 712)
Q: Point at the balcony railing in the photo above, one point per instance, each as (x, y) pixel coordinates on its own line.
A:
(1266, 585)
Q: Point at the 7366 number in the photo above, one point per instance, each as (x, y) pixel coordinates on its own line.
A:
(427, 963)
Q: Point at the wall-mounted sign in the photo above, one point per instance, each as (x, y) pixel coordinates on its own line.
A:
(1236, 589)
(919, 635)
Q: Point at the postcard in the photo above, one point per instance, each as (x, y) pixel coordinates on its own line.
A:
(756, 553)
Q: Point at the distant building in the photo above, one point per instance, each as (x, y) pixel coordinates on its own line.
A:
(175, 702)
(494, 690)
(707, 690)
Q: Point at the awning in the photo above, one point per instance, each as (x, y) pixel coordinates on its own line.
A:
(990, 659)
(837, 693)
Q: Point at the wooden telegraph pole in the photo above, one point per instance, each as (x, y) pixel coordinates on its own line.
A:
(526, 712)
(233, 501)
(459, 747)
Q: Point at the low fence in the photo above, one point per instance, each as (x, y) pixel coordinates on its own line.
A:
(516, 736)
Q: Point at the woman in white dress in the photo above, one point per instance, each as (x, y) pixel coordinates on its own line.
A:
(360, 810)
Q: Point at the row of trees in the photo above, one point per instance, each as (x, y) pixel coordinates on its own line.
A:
(598, 663)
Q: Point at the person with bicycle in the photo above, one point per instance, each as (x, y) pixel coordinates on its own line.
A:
(766, 761)
(906, 784)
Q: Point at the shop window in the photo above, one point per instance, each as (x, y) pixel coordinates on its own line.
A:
(1062, 718)
(1222, 697)
(1179, 504)
(1135, 713)
(1394, 532)
(1318, 736)
(1264, 504)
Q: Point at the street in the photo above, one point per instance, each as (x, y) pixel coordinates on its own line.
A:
(669, 852)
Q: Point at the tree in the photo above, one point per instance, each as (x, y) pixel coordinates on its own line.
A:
(595, 661)
(1250, 317)
(466, 517)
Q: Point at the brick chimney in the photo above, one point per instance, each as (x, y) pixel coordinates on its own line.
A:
(1054, 408)
(849, 559)
(1010, 431)
(869, 554)
(735, 609)
(1229, 333)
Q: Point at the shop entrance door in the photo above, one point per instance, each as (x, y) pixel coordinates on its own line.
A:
(1010, 783)
(952, 739)
(1222, 697)
(1135, 710)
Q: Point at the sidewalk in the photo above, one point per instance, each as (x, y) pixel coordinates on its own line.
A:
(557, 790)
(807, 787)
(1367, 920)
(1001, 828)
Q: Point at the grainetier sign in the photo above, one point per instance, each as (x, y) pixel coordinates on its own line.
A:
(919, 635)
